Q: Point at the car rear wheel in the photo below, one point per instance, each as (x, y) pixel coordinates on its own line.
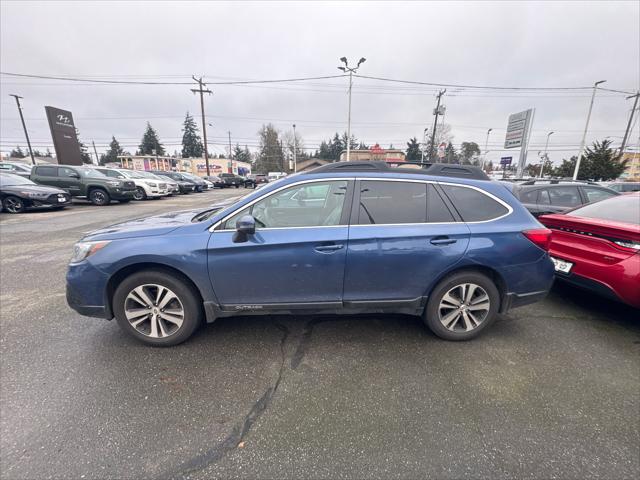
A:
(139, 194)
(462, 305)
(99, 197)
(157, 308)
(13, 204)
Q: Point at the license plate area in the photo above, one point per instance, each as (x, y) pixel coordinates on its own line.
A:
(561, 266)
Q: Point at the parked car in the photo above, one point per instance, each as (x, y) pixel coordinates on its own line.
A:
(541, 197)
(200, 183)
(184, 185)
(215, 180)
(597, 247)
(84, 182)
(145, 187)
(172, 185)
(17, 168)
(252, 181)
(441, 242)
(18, 193)
(624, 187)
(231, 180)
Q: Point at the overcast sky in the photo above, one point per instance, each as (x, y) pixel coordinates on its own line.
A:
(520, 44)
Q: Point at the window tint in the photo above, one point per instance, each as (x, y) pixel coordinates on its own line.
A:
(392, 202)
(47, 171)
(473, 205)
(530, 196)
(307, 205)
(596, 194)
(437, 210)
(565, 196)
(621, 208)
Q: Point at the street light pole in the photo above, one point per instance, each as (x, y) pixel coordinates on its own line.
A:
(424, 143)
(626, 132)
(351, 71)
(586, 128)
(545, 157)
(295, 148)
(486, 147)
(26, 134)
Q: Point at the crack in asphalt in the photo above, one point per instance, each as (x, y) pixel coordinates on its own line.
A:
(240, 430)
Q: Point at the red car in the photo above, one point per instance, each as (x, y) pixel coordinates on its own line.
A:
(597, 247)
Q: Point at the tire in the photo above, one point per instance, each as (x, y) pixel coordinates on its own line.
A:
(237, 186)
(188, 302)
(13, 204)
(99, 197)
(448, 314)
(140, 194)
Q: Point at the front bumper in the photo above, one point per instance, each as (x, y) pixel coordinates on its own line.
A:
(86, 291)
(118, 194)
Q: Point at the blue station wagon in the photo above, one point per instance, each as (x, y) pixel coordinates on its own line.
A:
(442, 242)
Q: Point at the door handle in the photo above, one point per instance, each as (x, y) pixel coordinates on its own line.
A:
(443, 241)
(328, 248)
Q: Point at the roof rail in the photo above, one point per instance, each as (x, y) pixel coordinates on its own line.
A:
(437, 169)
(555, 181)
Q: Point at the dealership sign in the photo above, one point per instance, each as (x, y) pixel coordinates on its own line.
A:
(63, 132)
(518, 129)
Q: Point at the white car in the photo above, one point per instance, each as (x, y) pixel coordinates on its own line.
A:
(145, 187)
(172, 185)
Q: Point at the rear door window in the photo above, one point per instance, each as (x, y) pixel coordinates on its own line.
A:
(67, 172)
(565, 196)
(392, 203)
(530, 196)
(47, 171)
(473, 205)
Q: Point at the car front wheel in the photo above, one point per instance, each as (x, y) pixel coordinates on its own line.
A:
(139, 194)
(99, 197)
(13, 204)
(157, 308)
(462, 305)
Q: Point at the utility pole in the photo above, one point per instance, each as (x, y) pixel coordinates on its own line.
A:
(586, 128)
(96, 152)
(626, 133)
(424, 144)
(486, 148)
(26, 134)
(202, 91)
(230, 153)
(436, 112)
(351, 71)
(545, 156)
(295, 148)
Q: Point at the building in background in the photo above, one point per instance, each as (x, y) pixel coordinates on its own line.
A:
(146, 162)
(198, 166)
(375, 154)
(632, 170)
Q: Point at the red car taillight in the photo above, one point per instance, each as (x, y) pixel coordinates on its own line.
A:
(539, 236)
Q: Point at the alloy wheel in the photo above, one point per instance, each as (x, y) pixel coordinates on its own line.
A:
(13, 205)
(99, 197)
(464, 307)
(139, 194)
(154, 310)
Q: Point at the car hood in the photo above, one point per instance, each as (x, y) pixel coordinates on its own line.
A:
(34, 188)
(144, 227)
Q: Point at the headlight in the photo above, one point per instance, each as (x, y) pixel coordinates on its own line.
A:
(113, 183)
(82, 250)
(152, 184)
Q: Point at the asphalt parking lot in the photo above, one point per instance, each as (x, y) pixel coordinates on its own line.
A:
(551, 390)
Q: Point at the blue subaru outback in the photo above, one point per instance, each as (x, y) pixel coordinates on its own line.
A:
(442, 242)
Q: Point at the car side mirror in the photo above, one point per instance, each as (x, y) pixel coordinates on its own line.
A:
(245, 226)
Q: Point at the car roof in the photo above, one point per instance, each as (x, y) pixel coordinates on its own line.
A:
(431, 169)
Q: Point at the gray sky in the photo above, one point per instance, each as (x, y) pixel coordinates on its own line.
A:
(520, 44)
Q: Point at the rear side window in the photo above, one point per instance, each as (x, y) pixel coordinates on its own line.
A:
(392, 202)
(596, 194)
(530, 196)
(437, 210)
(564, 196)
(473, 205)
(47, 171)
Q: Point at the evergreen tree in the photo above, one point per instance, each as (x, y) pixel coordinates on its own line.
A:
(112, 154)
(336, 146)
(324, 152)
(354, 142)
(191, 143)
(48, 153)
(84, 151)
(450, 154)
(363, 146)
(150, 143)
(270, 155)
(413, 150)
(17, 153)
(469, 150)
(600, 163)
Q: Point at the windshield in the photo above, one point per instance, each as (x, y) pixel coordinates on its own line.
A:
(6, 180)
(623, 208)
